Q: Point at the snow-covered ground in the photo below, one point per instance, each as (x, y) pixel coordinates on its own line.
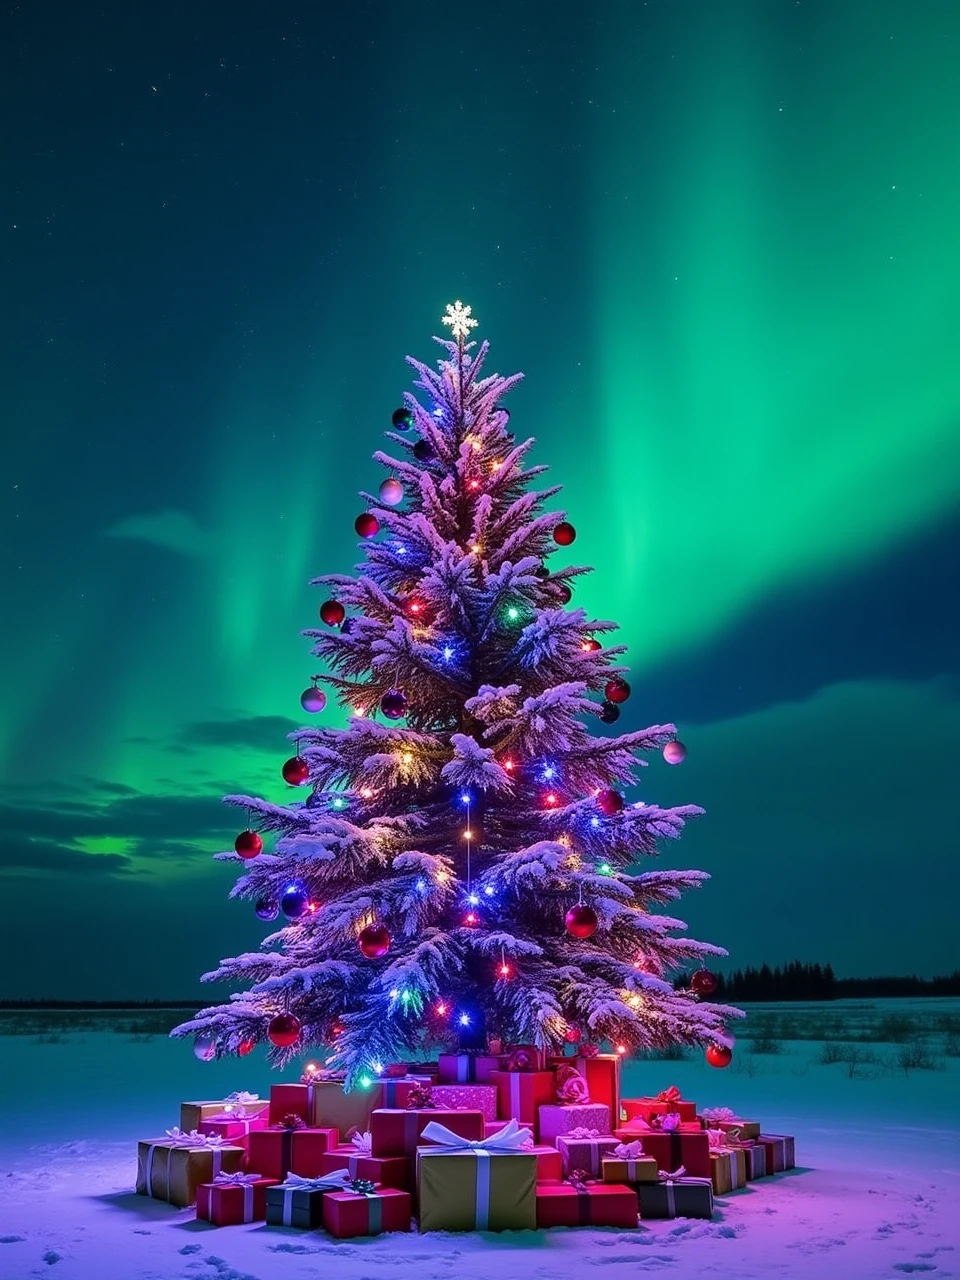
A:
(876, 1193)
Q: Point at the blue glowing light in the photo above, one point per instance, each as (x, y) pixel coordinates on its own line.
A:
(447, 653)
(377, 1067)
(394, 993)
(488, 890)
(473, 900)
(421, 885)
(594, 822)
(438, 411)
(464, 1019)
(549, 771)
(465, 798)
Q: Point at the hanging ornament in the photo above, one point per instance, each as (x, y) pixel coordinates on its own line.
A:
(283, 1030)
(589, 645)
(296, 771)
(675, 752)
(332, 613)
(313, 699)
(423, 451)
(609, 712)
(582, 921)
(205, 1048)
(703, 982)
(564, 592)
(393, 704)
(564, 533)
(374, 941)
(610, 802)
(391, 492)
(617, 690)
(573, 1035)
(245, 1047)
(401, 419)
(266, 909)
(248, 844)
(294, 901)
(367, 525)
(719, 1055)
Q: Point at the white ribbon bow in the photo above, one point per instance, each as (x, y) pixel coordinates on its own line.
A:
(510, 1138)
(675, 1176)
(581, 1131)
(629, 1150)
(237, 1179)
(363, 1143)
(327, 1182)
(193, 1138)
(242, 1096)
(721, 1115)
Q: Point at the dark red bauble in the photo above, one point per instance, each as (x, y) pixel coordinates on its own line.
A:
(589, 645)
(703, 982)
(393, 704)
(566, 595)
(367, 525)
(296, 771)
(374, 941)
(245, 1047)
(675, 752)
(564, 533)
(423, 451)
(573, 1035)
(609, 713)
(283, 1030)
(332, 612)
(610, 802)
(401, 419)
(248, 844)
(582, 921)
(719, 1055)
(617, 690)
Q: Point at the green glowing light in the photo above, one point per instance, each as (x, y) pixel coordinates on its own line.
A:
(513, 613)
(605, 868)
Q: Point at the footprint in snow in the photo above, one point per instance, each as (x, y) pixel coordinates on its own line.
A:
(11, 1239)
(911, 1267)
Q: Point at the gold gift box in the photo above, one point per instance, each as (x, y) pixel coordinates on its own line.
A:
(176, 1171)
(334, 1109)
(746, 1129)
(640, 1169)
(728, 1170)
(448, 1183)
(191, 1113)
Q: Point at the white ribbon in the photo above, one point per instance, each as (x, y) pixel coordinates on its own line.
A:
(581, 1131)
(242, 1097)
(509, 1139)
(363, 1143)
(245, 1180)
(629, 1150)
(720, 1115)
(177, 1138)
(335, 1181)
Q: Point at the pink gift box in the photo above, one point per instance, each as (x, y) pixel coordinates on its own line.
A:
(388, 1171)
(559, 1118)
(234, 1129)
(467, 1097)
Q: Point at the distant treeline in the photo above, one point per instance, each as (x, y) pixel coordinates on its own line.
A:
(101, 1004)
(800, 981)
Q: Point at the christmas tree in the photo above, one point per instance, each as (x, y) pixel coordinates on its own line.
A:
(464, 867)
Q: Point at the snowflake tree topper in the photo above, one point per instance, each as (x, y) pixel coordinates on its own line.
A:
(459, 319)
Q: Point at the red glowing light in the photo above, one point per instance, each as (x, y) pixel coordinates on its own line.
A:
(621, 1048)
(313, 907)
(441, 1009)
(473, 484)
(508, 765)
(550, 798)
(470, 918)
(504, 971)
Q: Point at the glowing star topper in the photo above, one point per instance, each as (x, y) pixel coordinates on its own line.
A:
(459, 319)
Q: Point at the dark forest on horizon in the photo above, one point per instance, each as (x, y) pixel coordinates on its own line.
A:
(797, 980)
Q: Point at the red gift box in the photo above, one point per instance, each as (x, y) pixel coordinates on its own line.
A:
(688, 1146)
(277, 1151)
(389, 1171)
(549, 1163)
(396, 1092)
(520, 1094)
(469, 1068)
(664, 1103)
(324, 1104)
(352, 1213)
(397, 1133)
(233, 1199)
(780, 1149)
(598, 1204)
(234, 1129)
(538, 1059)
(602, 1074)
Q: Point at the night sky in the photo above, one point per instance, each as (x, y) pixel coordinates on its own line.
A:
(720, 238)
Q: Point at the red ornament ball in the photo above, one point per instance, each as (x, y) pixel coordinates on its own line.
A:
(582, 921)
(573, 1035)
(374, 941)
(245, 1047)
(391, 492)
(617, 690)
(610, 802)
(332, 612)
(393, 704)
(367, 525)
(704, 982)
(566, 595)
(590, 645)
(564, 533)
(675, 752)
(719, 1055)
(283, 1030)
(296, 771)
(248, 844)
(313, 699)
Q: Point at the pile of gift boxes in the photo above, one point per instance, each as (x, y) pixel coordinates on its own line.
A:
(507, 1141)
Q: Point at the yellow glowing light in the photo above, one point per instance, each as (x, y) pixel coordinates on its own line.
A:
(442, 877)
(468, 835)
(356, 711)
(406, 757)
(495, 466)
(366, 793)
(477, 445)
(564, 840)
(476, 548)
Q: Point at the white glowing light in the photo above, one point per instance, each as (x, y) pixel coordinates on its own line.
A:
(458, 317)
